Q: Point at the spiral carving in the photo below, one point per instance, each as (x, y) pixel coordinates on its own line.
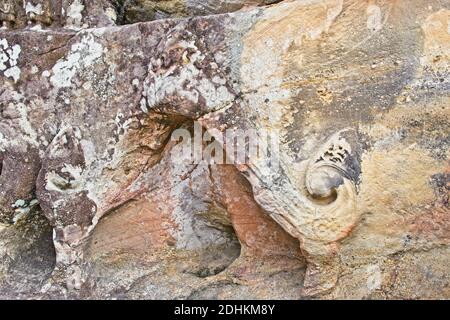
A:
(329, 168)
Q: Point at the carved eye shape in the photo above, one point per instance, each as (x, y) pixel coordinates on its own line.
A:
(322, 184)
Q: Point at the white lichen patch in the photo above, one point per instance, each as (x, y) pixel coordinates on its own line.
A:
(8, 60)
(31, 9)
(81, 56)
(74, 15)
(169, 83)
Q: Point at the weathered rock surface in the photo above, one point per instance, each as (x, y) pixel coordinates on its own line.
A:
(146, 10)
(93, 204)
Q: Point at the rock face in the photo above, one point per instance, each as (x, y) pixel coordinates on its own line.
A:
(350, 201)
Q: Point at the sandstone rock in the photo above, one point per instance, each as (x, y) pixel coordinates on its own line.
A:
(71, 14)
(352, 202)
(77, 14)
(146, 10)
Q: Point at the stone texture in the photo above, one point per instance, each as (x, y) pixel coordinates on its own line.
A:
(356, 91)
(71, 14)
(133, 11)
